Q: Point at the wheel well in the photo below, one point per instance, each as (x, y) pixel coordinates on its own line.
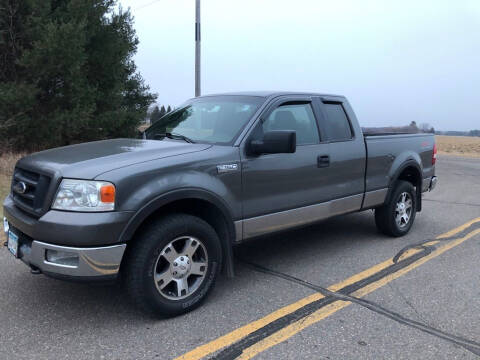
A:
(207, 212)
(410, 174)
(413, 176)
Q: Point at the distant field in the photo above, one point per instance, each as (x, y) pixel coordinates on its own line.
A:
(143, 127)
(458, 145)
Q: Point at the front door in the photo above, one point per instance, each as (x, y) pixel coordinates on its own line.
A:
(280, 189)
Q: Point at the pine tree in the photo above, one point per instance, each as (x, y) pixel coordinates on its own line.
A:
(162, 111)
(169, 109)
(67, 73)
(155, 115)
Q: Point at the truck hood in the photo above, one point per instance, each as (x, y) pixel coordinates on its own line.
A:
(88, 160)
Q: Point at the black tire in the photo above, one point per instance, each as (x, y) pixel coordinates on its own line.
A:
(143, 257)
(385, 216)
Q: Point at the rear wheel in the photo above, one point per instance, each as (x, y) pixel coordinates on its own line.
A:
(173, 265)
(396, 217)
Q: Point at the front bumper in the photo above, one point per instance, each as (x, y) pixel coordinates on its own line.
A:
(93, 263)
(75, 246)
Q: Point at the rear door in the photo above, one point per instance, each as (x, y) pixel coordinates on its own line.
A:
(346, 149)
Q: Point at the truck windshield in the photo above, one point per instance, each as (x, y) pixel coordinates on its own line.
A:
(212, 119)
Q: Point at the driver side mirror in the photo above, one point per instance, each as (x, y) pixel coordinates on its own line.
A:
(275, 142)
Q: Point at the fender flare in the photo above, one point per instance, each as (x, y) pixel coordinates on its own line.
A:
(185, 193)
(394, 178)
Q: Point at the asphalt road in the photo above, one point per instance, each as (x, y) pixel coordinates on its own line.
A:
(426, 310)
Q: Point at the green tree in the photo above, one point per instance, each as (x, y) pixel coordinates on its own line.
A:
(413, 127)
(162, 111)
(155, 115)
(169, 109)
(67, 73)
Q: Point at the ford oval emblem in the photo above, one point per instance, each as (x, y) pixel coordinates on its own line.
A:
(20, 187)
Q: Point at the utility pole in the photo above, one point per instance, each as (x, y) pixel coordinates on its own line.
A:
(197, 48)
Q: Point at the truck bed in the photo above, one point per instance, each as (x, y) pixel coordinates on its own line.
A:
(385, 153)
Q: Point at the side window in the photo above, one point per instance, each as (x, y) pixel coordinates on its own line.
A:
(337, 125)
(294, 116)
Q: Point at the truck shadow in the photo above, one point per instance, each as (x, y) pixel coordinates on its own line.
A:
(323, 239)
(323, 253)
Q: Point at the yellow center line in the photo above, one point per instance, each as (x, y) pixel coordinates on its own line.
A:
(294, 328)
(287, 332)
(243, 331)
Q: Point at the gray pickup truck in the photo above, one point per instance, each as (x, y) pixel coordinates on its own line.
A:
(165, 211)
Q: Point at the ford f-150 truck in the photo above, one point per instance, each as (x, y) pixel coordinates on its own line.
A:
(165, 211)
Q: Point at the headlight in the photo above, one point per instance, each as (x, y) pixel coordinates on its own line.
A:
(84, 195)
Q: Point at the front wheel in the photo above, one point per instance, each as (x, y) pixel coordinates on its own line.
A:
(173, 265)
(396, 217)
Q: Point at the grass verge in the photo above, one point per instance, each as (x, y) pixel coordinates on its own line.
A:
(7, 164)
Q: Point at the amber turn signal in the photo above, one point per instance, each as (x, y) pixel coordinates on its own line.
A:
(107, 194)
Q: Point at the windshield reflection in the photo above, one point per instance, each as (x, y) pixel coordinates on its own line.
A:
(212, 119)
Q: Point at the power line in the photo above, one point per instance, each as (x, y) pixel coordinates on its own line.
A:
(146, 5)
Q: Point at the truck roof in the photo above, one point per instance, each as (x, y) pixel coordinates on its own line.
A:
(267, 93)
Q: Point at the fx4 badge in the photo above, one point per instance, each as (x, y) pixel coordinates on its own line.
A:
(226, 168)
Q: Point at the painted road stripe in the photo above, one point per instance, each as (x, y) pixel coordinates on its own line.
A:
(289, 331)
(328, 309)
(249, 328)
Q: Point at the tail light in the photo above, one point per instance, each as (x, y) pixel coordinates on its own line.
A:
(434, 154)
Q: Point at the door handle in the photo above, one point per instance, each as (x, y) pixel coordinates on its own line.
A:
(323, 161)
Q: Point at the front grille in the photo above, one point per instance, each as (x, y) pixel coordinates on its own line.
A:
(35, 188)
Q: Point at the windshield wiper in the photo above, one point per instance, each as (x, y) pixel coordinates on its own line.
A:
(175, 137)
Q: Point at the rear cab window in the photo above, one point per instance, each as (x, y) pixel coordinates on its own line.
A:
(337, 124)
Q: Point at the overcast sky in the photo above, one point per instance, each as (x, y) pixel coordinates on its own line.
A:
(396, 61)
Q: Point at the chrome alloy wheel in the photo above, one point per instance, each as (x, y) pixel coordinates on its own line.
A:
(403, 209)
(181, 267)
